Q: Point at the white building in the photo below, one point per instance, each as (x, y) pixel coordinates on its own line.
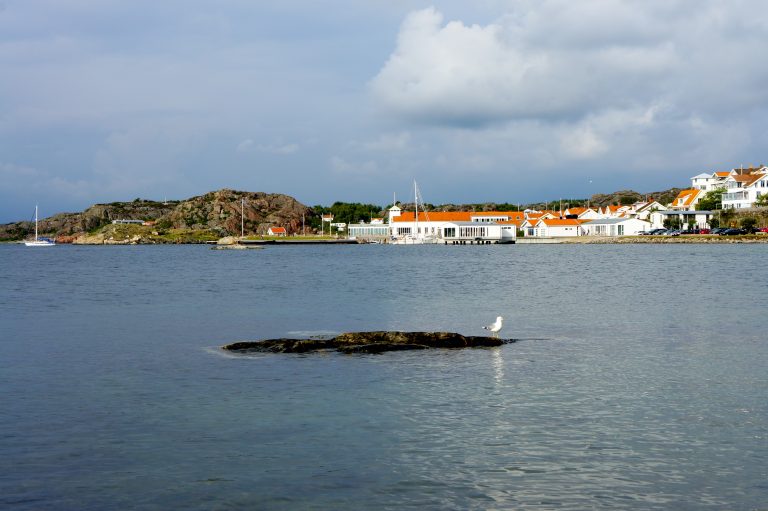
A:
(743, 189)
(453, 227)
(553, 227)
(686, 200)
(642, 210)
(369, 232)
(616, 227)
(691, 219)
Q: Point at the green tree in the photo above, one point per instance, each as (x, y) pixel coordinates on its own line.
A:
(762, 201)
(712, 200)
(353, 212)
(748, 223)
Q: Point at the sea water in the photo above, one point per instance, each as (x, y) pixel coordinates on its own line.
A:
(639, 380)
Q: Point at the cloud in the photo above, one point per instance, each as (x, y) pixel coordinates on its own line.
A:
(583, 142)
(249, 145)
(561, 61)
(341, 166)
(389, 142)
(12, 171)
(245, 146)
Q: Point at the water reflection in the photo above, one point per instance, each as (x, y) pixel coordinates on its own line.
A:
(497, 362)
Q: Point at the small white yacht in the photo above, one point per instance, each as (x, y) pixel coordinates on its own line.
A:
(38, 241)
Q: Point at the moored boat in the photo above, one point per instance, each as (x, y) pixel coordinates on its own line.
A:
(39, 241)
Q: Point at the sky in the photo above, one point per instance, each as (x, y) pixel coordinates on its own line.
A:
(490, 100)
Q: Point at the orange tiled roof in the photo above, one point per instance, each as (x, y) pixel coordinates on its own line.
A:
(435, 216)
(554, 222)
(511, 214)
(754, 178)
(277, 229)
(686, 197)
(723, 174)
(456, 216)
(747, 178)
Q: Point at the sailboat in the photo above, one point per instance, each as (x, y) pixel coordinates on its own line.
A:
(417, 237)
(38, 241)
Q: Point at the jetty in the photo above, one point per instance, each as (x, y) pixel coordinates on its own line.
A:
(294, 241)
(233, 242)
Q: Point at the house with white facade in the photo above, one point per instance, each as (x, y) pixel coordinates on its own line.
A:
(642, 210)
(708, 182)
(690, 219)
(686, 200)
(553, 227)
(613, 211)
(744, 186)
(615, 227)
(581, 213)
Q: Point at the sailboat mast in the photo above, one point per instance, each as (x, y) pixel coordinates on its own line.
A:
(35, 222)
(242, 217)
(416, 206)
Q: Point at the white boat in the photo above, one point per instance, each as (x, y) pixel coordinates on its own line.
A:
(416, 237)
(38, 241)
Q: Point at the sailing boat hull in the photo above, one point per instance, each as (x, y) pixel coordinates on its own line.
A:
(38, 241)
(412, 240)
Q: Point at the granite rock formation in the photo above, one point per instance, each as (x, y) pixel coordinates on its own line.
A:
(367, 342)
(218, 211)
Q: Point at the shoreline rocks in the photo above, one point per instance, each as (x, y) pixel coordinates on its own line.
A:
(368, 342)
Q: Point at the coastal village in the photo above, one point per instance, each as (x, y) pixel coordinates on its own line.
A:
(742, 189)
(733, 202)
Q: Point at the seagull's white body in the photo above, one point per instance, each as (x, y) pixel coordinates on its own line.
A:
(495, 327)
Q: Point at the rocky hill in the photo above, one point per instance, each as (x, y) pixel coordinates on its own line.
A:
(218, 211)
(625, 197)
(621, 197)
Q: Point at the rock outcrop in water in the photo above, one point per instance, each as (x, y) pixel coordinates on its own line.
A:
(367, 342)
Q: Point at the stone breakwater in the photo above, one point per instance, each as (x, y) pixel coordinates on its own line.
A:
(693, 239)
(367, 342)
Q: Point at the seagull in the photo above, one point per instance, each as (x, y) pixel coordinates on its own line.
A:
(495, 327)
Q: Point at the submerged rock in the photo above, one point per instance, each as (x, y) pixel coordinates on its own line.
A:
(368, 342)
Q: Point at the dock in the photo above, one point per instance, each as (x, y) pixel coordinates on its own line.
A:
(252, 243)
(298, 242)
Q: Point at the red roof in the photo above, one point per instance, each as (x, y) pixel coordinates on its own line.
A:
(456, 216)
(555, 222)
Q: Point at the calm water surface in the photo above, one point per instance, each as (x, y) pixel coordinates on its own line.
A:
(639, 382)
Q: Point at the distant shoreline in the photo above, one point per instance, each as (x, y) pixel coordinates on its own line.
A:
(576, 240)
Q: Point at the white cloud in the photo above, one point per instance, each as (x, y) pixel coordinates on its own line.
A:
(13, 171)
(389, 142)
(341, 166)
(583, 142)
(280, 149)
(595, 135)
(559, 60)
(249, 145)
(245, 146)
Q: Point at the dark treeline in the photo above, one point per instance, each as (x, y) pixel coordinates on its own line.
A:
(348, 212)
